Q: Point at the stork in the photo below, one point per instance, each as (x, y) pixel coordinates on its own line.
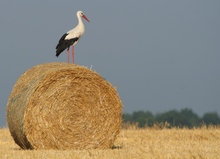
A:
(71, 38)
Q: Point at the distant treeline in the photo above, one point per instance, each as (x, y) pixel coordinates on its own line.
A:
(183, 118)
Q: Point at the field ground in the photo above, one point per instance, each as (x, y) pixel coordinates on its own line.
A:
(132, 144)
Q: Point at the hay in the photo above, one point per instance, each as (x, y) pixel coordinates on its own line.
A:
(63, 106)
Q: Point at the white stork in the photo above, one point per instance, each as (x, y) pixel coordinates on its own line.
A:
(71, 37)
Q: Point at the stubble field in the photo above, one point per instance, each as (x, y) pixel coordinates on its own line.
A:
(132, 143)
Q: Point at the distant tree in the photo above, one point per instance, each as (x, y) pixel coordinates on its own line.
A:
(150, 119)
(189, 118)
(139, 117)
(142, 118)
(211, 118)
(172, 117)
(127, 118)
(186, 117)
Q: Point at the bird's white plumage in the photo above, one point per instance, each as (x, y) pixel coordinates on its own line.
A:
(78, 31)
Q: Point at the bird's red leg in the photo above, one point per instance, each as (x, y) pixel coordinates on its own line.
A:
(68, 55)
(73, 54)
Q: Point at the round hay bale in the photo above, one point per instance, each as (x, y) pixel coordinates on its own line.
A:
(63, 106)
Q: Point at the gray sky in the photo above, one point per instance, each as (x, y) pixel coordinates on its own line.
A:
(161, 55)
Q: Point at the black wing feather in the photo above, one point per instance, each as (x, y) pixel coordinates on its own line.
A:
(64, 44)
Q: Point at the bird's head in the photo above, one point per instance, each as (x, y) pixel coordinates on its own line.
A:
(81, 14)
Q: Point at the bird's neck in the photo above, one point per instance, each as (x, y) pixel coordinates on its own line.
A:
(80, 23)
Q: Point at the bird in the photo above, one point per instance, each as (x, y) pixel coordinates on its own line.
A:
(71, 38)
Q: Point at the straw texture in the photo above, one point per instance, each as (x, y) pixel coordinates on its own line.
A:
(63, 106)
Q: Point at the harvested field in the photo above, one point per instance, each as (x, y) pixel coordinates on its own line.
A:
(132, 143)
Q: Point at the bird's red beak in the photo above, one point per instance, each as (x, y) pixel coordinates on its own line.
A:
(85, 18)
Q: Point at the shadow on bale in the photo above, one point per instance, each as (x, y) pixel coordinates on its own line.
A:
(63, 106)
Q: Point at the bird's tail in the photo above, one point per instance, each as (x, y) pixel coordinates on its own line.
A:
(59, 50)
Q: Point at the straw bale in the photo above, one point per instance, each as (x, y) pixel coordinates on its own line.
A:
(63, 106)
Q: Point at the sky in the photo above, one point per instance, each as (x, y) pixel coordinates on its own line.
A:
(160, 55)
